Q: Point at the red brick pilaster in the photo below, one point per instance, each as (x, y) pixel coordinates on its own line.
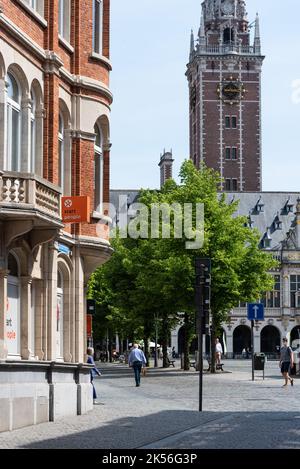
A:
(106, 180)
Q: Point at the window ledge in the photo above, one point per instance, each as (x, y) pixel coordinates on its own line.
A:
(39, 18)
(65, 44)
(102, 59)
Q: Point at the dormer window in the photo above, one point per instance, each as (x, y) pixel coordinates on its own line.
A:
(250, 222)
(259, 207)
(277, 224)
(266, 241)
(289, 207)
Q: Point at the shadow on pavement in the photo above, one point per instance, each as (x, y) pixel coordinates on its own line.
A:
(188, 430)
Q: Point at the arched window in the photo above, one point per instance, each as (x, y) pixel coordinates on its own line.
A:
(13, 113)
(241, 339)
(36, 119)
(61, 151)
(270, 340)
(98, 186)
(13, 317)
(33, 133)
(60, 316)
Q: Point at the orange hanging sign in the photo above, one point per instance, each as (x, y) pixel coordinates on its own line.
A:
(76, 209)
(89, 325)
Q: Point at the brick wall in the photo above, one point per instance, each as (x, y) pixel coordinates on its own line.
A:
(77, 62)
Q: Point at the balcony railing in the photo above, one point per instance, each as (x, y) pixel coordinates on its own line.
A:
(29, 191)
(221, 49)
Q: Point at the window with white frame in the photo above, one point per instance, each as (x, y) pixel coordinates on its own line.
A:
(271, 299)
(98, 189)
(61, 151)
(295, 291)
(13, 115)
(37, 5)
(64, 19)
(97, 26)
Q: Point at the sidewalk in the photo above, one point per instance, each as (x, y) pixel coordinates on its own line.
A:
(163, 413)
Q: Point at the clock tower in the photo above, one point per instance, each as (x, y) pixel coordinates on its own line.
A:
(224, 75)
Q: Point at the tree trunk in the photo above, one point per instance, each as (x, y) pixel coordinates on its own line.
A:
(146, 349)
(186, 347)
(213, 348)
(147, 334)
(110, 348)
(165, 340)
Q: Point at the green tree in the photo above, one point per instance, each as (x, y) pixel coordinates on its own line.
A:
(150, 277)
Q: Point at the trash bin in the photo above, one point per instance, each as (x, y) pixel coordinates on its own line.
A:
(259, 362)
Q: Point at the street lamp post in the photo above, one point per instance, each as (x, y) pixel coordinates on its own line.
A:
(155, 355)
(202, 300)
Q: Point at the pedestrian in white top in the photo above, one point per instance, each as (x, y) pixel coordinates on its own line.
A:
(219, 351)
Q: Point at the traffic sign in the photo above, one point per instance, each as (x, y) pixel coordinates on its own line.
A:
(256, 312)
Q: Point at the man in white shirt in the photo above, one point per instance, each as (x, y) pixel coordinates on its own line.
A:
(219, 352)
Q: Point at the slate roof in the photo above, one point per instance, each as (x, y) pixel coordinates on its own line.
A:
(272, 213)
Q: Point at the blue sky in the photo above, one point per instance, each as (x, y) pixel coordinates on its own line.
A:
(149, 53)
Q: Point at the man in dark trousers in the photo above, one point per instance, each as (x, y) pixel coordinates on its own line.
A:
(94, 371)
(137, 360)
(286, 361)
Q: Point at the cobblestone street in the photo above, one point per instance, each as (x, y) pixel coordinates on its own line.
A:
(163, 412)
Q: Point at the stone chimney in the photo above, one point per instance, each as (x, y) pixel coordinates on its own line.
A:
(297, 229)
(166, 167)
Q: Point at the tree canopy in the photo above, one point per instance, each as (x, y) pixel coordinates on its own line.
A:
(153, 277)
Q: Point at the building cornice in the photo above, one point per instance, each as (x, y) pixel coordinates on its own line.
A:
(102, 59)
(86, 83)
(81, 134)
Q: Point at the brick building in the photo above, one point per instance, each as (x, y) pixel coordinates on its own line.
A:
(224, 75)
(54, 141)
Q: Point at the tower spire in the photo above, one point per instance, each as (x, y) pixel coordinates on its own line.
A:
(192, 48)
(257, 43)
(201, 33)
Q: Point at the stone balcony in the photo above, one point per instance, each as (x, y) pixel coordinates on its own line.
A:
(221, 49)
(29, 192)
(28, 204)
(269, 313)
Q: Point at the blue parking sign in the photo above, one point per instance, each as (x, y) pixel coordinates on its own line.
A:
(256, 312)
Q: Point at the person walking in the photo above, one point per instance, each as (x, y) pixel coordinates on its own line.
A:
(219, 351)
(137, 360)
(94, 371)
(286, 361)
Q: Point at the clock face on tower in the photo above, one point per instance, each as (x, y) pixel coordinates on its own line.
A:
(231, 90)
(228, 7)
